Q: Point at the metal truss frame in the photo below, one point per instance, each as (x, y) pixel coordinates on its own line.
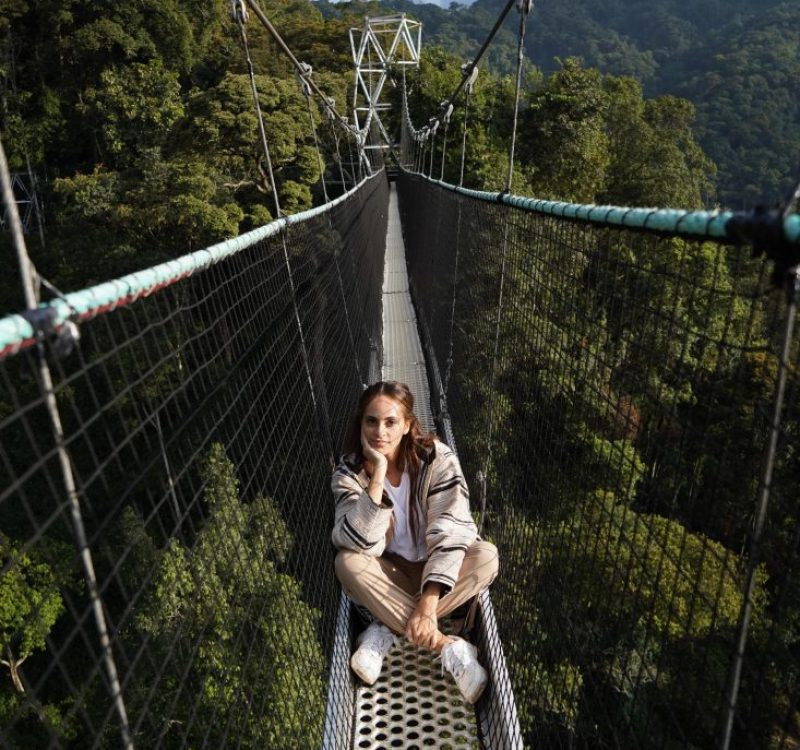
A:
(383, 43)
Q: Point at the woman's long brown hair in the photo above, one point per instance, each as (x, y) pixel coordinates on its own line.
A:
(408, 458)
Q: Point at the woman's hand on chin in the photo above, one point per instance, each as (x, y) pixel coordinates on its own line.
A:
(376, 462)
(375, 466)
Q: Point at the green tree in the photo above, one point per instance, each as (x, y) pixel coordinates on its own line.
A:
(30, 605)
(230, 623)
(563, 140)
(655, 158)
(643, 594)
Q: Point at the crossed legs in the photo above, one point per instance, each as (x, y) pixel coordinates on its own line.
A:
(388, 586)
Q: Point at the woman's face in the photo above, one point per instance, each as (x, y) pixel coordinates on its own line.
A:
(384, 425)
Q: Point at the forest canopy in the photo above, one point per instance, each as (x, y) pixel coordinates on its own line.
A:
(738, 62)
(139, 124)
(138, 120)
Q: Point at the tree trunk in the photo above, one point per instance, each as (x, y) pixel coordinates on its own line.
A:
(13, 667)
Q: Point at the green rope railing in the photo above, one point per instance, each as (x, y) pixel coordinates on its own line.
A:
(692, 224)
(18, 331)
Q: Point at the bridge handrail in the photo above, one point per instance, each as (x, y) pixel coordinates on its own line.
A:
(731, 226)
(17, 331)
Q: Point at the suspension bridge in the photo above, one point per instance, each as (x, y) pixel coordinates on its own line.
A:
(621, 385)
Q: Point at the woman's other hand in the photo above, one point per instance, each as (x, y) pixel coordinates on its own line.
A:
(422, 627)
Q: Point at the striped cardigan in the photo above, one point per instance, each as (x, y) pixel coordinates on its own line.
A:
(363, 526)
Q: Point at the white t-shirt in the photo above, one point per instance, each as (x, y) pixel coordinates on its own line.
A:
(403, 543)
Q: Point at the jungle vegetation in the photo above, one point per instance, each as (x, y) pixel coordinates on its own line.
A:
(138, 121)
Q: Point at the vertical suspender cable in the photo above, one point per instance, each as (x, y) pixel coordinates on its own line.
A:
(325, 436)
(428, 140)
(361, 378)
(754, 552)
(434, 127)
(470, 71)
(306, 89)
(524, 7)
(448, 111)
(734, 681)
(28, 273)
(37, 208)
(338, 156)
(241, 17)
(350, 156)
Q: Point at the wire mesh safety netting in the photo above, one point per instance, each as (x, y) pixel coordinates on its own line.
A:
(615, 389)
(199, 423)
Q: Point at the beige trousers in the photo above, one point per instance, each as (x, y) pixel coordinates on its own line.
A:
(388, 586)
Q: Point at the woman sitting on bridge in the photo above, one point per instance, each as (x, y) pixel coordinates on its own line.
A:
(408, 547)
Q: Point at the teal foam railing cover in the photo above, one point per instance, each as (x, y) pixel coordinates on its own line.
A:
(16, 330)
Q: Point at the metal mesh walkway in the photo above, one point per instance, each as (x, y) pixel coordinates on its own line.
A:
(403, 358)
(412, 705)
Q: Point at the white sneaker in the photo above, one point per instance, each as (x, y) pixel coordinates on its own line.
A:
(460, 658)
(373, 644)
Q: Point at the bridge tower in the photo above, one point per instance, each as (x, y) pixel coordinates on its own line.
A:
(383, 44)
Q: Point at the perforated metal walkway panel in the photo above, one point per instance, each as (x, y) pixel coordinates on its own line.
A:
(412, 705)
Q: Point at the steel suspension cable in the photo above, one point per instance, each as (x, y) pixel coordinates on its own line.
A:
(304, 73)
(446, 119)
(306, 89)
(28, 274)
(434, 128)
(792, 289)
(524, 7)
(753, 559)
(338, 156)
(466, 70)
(470, 86)
(350, 154)
(327, 102)
(241, 18)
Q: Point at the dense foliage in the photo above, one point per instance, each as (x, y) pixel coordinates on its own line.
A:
(583, 136)
(616, 395)
(140, 122)
(139, 119)
(738, 62)
(229, 583)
